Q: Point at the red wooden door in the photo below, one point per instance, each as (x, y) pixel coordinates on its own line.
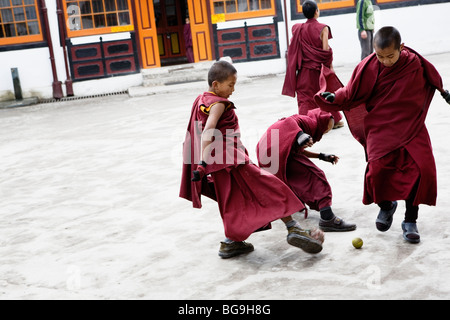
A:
(170, 16)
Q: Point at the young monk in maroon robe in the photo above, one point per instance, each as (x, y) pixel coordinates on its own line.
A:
(187, 35)
(307, 52)
(305, 179)
(386, 102)
(248, 199)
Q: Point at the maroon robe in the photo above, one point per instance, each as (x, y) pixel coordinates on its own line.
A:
(305, 60)
(386, 109)
(248, 198)
(304, 178)
(187, 35)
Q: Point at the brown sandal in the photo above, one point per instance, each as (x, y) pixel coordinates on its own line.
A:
(302, 239)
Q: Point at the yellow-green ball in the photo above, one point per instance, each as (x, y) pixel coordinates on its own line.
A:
(357, 243)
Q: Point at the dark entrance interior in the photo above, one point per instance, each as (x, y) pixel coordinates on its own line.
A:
(170, 18)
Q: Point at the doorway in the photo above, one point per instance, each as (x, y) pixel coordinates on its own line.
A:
(170, 19)
(160, 25)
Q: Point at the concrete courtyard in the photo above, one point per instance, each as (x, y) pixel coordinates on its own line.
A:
(90, 208)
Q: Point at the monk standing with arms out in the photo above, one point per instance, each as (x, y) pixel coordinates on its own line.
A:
(307, 52)
(386, 102)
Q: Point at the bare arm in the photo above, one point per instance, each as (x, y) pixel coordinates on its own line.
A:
(324, 37)
(310, 154)
(215, 113)
(363, 34)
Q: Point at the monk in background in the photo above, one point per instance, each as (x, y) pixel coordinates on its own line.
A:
(386, 103)
(308, 51)
(187, 35)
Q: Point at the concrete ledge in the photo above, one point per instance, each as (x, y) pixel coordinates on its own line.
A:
(18, 103)
(141, 91)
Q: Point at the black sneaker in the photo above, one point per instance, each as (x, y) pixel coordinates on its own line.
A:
(336, 225)
(235, 248)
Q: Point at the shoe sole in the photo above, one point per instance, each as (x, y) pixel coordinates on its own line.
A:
(306, 244)
(227, 255)
(331, 229)
(417, 240)
(411, 240)
(383, 227)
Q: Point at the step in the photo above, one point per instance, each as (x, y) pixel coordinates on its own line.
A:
(195, 86)
(173, 78)
(176, 74)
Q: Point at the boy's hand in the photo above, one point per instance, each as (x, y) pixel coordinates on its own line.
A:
(329, 158)
(328, 96)
(446, 96)
(304, 139)
(200, 172)
(364, 34)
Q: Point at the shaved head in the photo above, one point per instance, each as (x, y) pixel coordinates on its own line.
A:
(387, 36)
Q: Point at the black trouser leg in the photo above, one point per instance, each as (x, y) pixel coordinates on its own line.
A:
(385, 205)
(412, 211)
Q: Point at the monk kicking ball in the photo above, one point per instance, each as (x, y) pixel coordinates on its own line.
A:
(216, 165)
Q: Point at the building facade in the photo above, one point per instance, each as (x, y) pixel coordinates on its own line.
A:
(57, 48)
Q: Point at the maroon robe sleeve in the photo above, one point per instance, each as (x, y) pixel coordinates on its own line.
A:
(354, 110)
(191, 147)
(294, 57)
(432, 75)
(362, 93)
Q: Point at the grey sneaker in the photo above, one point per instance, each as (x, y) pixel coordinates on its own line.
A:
(410, 232)
(235, 248)
(385, 218)
(302, 239)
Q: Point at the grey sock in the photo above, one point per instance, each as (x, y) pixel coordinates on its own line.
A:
(228, 241)
(292, 223)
